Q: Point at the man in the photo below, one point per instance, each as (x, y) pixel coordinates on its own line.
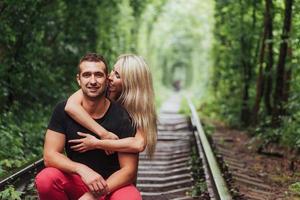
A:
(92, 174)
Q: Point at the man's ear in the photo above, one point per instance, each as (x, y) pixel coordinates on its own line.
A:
(78, 79)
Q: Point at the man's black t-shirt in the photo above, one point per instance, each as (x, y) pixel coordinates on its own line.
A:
(115, 120)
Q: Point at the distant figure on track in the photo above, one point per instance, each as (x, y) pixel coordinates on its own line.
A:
(91, 174)
(176, 85)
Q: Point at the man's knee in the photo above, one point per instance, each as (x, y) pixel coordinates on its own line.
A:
(46, 179)
(129, 192)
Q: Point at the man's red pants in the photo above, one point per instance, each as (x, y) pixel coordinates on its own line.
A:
(53, 184)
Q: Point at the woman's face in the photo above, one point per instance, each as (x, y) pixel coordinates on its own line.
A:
(115, 80)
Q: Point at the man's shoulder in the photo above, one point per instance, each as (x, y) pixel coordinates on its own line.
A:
(123, 119)
(61, 104)
(119, 112)
(59, 108)
(58, 118)
(116, 107)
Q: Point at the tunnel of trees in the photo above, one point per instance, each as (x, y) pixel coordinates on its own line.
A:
(239, 60)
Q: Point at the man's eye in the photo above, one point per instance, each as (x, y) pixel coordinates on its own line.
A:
(99, 75)
(86, 75)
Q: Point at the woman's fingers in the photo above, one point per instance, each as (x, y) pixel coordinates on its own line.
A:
(79, 147)
(76, 146)
(78, 140)
(75, 141)
(109, 152)
(82, 134)
(80, 150)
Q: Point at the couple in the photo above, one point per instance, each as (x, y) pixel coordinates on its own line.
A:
(95, 126)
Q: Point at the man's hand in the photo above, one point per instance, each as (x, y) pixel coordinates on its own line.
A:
(95, 182)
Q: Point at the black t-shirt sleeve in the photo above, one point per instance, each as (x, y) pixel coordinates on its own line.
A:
(57, 121)
(126, 129)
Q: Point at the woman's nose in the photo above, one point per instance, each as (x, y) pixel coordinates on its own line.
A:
(110, 77)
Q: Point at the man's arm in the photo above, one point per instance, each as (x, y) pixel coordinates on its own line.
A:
(127, 173)
(54, 157)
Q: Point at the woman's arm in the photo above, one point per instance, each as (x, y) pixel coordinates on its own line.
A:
(77, 112)
(129, 145)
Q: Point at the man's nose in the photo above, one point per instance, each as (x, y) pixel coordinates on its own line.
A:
(93, 79)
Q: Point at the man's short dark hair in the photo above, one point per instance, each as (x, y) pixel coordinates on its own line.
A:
(93, 57)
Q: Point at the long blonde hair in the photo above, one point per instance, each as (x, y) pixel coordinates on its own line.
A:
(137, 96)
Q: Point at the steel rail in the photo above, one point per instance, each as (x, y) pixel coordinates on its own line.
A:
(213, 172)
(22, 175)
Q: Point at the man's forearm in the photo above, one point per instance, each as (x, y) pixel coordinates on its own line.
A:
(127, 173)
(121, 178)
(60, 161)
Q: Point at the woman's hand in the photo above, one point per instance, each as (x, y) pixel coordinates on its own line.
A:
(109, 136)
(88, 142)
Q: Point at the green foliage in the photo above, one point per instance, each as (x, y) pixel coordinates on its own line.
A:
(268, 134)
(291, 121)
(40, 45)
(288, 133)
(208, 129)
(234, 50)
(295, 188)
(23, 136)
(161, 94)
(238, 32)
(10, 193)
(177, 54)
(184, 107)
(43, 44)
(199, 186)
(118, 27)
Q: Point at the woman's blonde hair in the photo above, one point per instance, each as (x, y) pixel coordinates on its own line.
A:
(137, 96)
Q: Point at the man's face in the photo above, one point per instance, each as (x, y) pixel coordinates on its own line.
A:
(92, 79)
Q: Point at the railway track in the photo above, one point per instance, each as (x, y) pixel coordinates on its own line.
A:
(22, 180)
(248, 183)
(169, 174)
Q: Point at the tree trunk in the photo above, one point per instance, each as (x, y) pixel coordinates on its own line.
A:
(245, 49)
(280, 84)
(270, 60)
(260, 79)
(287, 80)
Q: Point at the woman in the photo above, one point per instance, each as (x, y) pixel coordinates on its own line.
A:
(130, 84)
